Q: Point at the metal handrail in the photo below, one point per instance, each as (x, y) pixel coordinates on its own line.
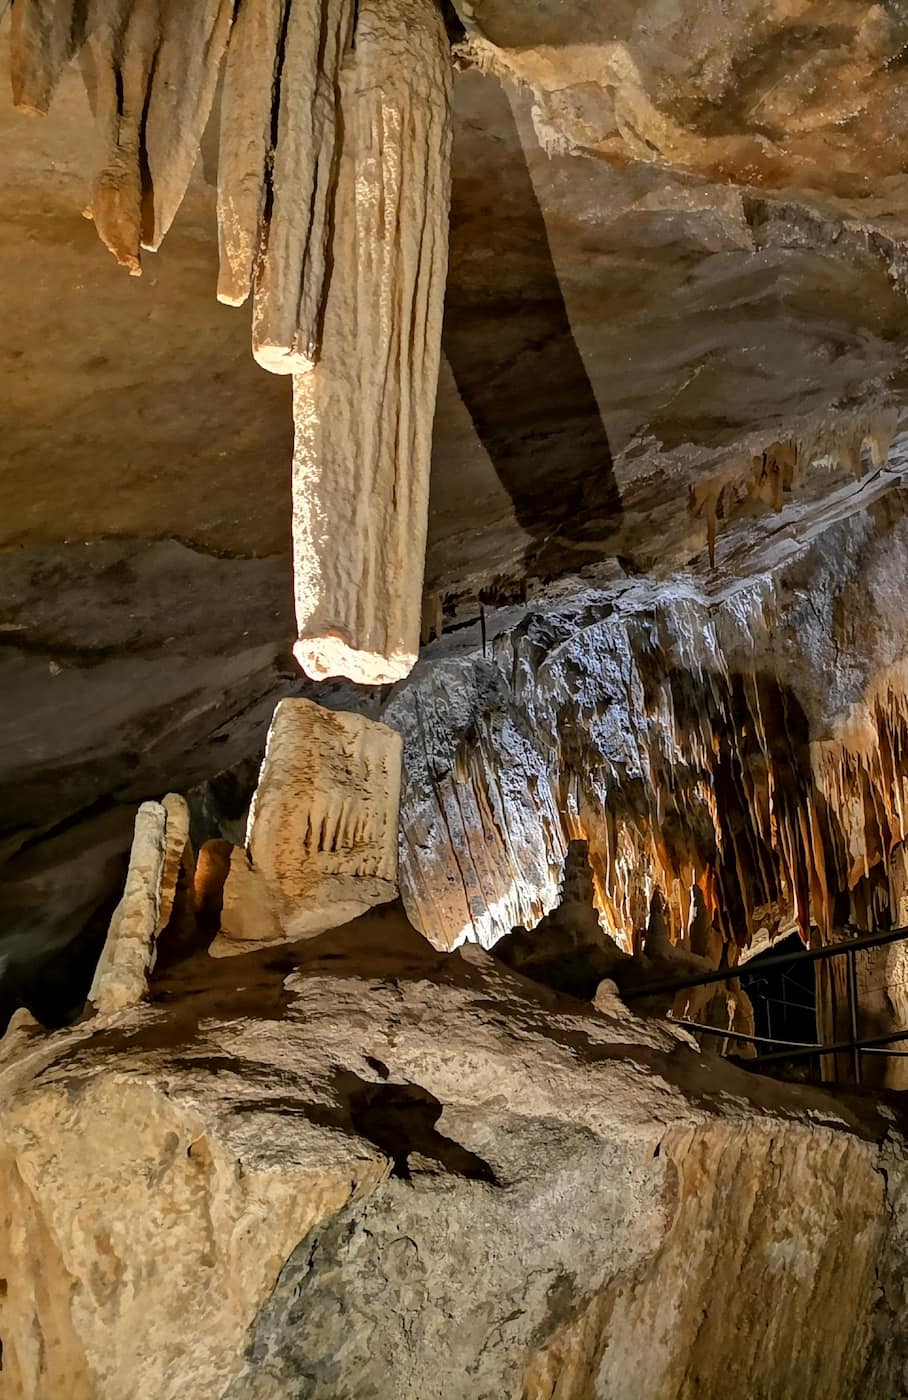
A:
(729, 974)
(795, 1049)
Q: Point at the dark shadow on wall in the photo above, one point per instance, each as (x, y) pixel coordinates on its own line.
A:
(510, 345)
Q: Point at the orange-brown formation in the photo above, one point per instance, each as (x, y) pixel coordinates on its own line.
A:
(695, 751)
(767, 475)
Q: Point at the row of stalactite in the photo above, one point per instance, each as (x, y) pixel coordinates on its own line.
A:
(766, 476)
(333, 193)
(685, 775)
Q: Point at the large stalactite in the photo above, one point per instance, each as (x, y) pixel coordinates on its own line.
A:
(363, 416)
(333, 192)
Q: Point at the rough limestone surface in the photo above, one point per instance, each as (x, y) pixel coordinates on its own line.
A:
(398, 1173)
(363, 417)
(313, 43)
(733, 745)
(321, 845)
(159, 845)
(798, 95)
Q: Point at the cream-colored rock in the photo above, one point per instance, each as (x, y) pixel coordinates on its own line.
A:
(321, 846)
(163, 1230)
(398, 1175)
(151, 72)
(20, 1029)
(251, 70)
(250, 913)
(363, 418)
(159, 845)
(292, 278)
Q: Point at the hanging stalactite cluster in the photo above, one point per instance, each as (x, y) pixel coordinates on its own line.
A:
(333, 191)
(690, 744)
(767, 475)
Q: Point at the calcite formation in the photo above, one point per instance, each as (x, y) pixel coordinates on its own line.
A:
(743, 745)
(333, 189)
(277, 170)
(151, 70)
(363, 417)
(769, 474)
(321, 846)
(390, 1173)
(160, 848)
(569, 951)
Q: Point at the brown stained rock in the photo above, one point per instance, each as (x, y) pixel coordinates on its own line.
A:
(322, 839)
(782, 97)
(208, 885)
(44, 35)
(363, 417)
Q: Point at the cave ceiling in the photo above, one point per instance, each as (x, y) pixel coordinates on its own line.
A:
(675, 318)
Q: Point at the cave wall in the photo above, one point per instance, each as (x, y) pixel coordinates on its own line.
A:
(746, 743)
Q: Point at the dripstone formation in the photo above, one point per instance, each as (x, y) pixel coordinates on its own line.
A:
(401, 720)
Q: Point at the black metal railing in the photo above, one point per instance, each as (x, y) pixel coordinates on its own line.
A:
(793, 1049)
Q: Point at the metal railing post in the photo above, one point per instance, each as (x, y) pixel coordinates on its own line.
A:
(852, 967)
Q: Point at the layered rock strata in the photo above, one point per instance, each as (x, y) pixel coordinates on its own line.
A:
(394, 1173)
(321, 846)
(805, 96)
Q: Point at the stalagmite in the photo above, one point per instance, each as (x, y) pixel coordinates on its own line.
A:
(363, 417)
(158, 850)
(322, 841)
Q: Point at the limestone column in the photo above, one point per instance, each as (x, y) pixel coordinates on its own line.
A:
(363, 416)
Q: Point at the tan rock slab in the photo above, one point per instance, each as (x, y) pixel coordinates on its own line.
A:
(322, 841)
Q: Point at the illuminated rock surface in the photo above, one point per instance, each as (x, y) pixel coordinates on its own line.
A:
(363, 416)
(159, 849)
(742, 740)
(587, 323)
(322, 841)
(395, 1173)
(638, 365)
